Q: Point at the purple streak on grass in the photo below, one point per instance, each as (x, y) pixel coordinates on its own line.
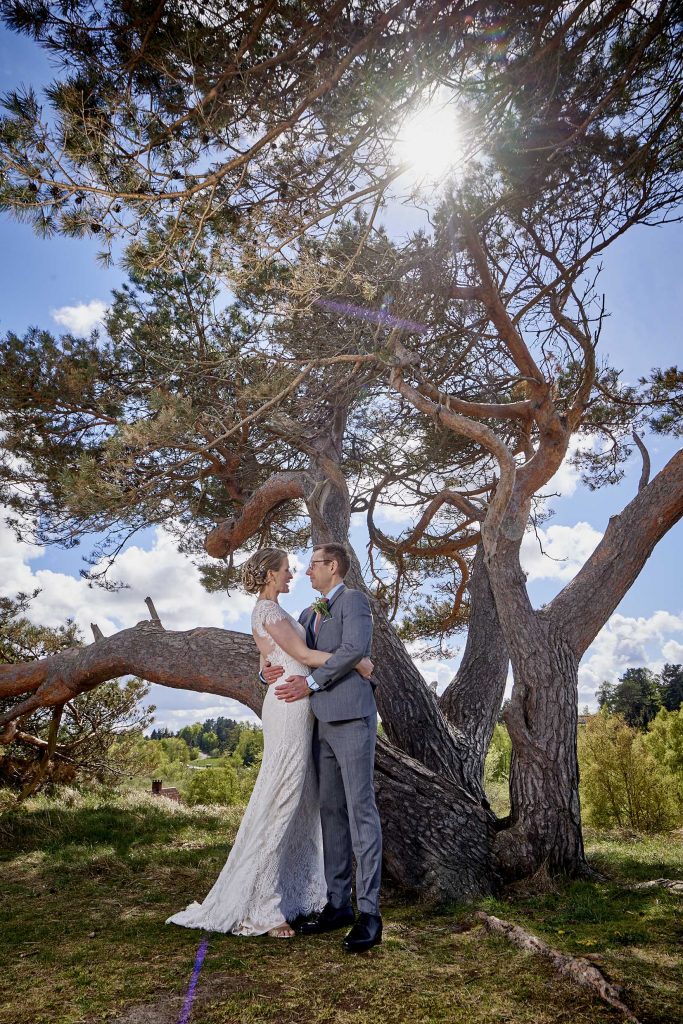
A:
(374, 316)
(187, 1006)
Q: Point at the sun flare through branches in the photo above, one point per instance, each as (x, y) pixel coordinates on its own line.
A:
(430, 142)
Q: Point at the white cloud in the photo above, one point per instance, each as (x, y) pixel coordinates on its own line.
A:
(568, 477)
(673, 652)
(626, 642)
(14, 554)
(82, 318)
(566, 549)
(565, 481)
(173, 583)
(161, 572)
(435, 670)
(174, 718)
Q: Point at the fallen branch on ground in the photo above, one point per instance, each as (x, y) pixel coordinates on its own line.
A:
(673, 884)
(575, 968)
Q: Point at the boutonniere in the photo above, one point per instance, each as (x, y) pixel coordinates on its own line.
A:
(321, 606)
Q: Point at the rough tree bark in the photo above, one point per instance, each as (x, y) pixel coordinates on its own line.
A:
(472, 701)
(545, 649)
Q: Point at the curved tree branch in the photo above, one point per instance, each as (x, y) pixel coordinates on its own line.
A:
(585, 604)
(228, 536)
(645, 472)
(206, 660)
(477, 432)
(411, 543)
(487, 410)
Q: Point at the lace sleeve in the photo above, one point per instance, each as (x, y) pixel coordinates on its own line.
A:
(266, 611)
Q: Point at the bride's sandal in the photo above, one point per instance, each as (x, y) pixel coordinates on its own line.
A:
(283, 931)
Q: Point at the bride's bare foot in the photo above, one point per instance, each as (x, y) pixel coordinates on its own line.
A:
(283, 931)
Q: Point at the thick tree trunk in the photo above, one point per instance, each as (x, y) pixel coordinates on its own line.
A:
(544, 826)
(410, 713)
(545, 648)
(472, 701)
(407, 707)
(545, 819)
(438, 839)
(206, 660)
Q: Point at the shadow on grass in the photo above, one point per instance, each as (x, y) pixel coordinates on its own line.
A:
(26, 830)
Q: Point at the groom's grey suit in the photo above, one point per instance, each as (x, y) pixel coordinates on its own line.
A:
(344, 750)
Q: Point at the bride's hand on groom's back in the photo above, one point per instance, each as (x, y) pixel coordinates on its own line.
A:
(365, 667)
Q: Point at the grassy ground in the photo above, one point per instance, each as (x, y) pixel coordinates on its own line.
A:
(85, 889)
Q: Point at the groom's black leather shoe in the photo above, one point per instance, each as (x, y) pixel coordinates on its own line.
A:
(328, 920)
(366, 933)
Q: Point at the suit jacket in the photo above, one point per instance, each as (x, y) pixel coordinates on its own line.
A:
(347, 634)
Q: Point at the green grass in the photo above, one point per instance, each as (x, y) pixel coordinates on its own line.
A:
(85, 890)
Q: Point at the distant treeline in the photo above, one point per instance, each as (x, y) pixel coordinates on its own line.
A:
(215, 736)
(640, 694)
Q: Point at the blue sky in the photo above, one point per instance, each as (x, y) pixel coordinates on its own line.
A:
(48, 281)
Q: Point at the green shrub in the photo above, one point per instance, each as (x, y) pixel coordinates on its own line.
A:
(497, 765)
(227, 784)
(664, 740)
(167, 759)
(622, 784)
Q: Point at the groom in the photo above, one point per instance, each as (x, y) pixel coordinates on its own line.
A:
(344, 738)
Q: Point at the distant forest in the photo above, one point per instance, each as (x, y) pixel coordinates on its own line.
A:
(215, 736)
(640, 694)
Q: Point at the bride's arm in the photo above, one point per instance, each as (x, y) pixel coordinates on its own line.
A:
(286, 637)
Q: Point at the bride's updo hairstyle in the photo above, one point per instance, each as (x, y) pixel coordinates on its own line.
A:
(255, 570)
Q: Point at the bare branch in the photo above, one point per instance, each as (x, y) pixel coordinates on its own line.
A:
(205, 660)
(645, 472)
(231, 534)
(584, 606)
(578, 969)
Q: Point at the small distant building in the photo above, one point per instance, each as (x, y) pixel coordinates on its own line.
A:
(170, 794)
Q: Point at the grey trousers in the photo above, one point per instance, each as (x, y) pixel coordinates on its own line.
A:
(344, 754)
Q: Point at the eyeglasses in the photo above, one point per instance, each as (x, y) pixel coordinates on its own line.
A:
(320, 561)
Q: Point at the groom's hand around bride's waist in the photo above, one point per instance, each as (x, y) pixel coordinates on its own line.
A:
(293, 688)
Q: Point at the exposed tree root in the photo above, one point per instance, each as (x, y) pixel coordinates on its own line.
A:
(575, 968)
(672, 884)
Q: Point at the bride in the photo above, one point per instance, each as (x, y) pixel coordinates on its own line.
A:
(274, 872)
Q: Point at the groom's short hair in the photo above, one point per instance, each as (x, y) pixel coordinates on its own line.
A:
(339, 553)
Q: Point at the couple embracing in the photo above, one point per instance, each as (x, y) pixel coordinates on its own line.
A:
(313, 805)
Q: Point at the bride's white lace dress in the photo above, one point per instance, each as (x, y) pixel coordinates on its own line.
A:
(275, 868)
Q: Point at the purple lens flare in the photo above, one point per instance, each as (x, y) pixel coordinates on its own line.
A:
(187, 1005)
(374, 316)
